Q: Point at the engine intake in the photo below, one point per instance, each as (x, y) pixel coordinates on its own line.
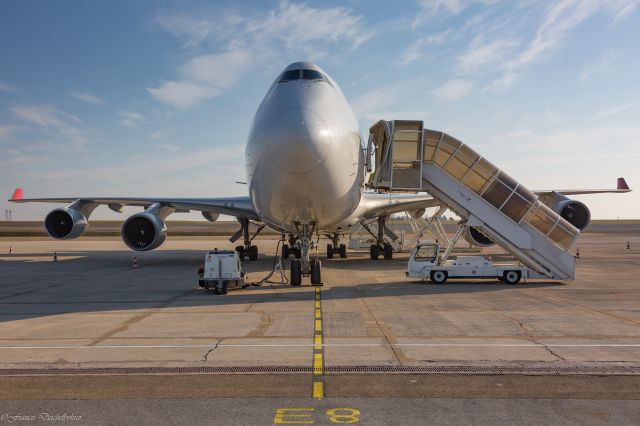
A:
(144, 231)
(473, 236)
(65, 223)
(573, 212)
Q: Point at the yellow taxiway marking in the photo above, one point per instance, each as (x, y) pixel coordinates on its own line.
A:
(318, 390)
(318, 384)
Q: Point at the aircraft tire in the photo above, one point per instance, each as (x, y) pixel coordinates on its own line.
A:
(285, 251)
(296, 273)
(329, 251)
(316, 269)
(388, 251)
(343, 251)
(374, 251)
(252, 253)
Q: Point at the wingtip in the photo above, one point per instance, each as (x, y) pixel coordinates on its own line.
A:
(18, 195)
(622, 184)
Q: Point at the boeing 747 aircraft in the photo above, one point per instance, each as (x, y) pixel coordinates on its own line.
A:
(305, 167)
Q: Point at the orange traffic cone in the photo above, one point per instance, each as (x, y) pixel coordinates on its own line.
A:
(135, 262)
(55, 256)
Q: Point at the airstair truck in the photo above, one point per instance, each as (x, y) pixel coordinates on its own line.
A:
(426, 262)
(410, 158)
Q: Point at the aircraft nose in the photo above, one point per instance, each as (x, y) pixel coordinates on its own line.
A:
(299, 140)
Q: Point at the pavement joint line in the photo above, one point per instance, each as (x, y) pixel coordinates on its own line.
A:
(318, 350)
(346, 345)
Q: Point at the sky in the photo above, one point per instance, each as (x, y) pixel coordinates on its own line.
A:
(155, 98)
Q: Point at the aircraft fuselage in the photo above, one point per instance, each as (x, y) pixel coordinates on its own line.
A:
(304, 160)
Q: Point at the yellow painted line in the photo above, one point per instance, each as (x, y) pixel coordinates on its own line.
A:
(318, 390)
(318, 314)
(317, 340)
(318, 305)
(319, 325)
(317, 364)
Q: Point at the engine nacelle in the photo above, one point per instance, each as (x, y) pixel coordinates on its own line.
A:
(211, 217)
(65, 223)
(573, 212)
(474, 237)
(144, 231)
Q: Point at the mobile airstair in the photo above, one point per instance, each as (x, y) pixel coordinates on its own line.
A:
(409, 158)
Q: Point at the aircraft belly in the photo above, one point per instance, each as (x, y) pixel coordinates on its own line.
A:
(322, 195)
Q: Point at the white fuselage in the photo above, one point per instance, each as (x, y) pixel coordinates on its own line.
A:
(304, 158)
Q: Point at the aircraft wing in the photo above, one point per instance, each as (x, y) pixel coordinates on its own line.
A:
(233, 206)
(621, 188)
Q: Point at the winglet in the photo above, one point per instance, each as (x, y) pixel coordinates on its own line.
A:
(18, 195)
(622, 184)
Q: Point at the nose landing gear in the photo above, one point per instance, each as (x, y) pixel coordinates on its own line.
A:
(304, 266)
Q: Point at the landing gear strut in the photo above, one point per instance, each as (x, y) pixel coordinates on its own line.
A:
(381, 246)
(336, 247)
(247, 249)
(302, 265)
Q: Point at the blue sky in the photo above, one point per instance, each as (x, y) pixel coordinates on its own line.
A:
(155, 98)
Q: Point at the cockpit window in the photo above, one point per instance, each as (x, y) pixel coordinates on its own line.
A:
(312, 75)
(290, 75)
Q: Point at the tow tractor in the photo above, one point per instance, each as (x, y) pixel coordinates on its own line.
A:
(427, 261)
(222, 271)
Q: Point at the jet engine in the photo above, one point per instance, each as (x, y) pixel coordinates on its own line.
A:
(573, 212)
(211, 217)
(474, 237)
(144, 231)
(65, 223)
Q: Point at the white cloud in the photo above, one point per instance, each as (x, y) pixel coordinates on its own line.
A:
(438, 9)
(416, 49)
(7, 88)
(159, 166)
(88, 98)
(168, 147)
(53, 120)
(453, 89)
(7, 131)
(562, 18)
(480, 54)
(157, 135)
(130, 118)
(608, 112)
(605, 66)
(204, 77)
(236, 43)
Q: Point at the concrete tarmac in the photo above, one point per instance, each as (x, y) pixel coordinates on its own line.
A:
(92, 310)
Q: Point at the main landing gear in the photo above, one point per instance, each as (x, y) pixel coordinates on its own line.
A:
(247, 250)
(336, 247)
(381, 246)
(302, 266)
